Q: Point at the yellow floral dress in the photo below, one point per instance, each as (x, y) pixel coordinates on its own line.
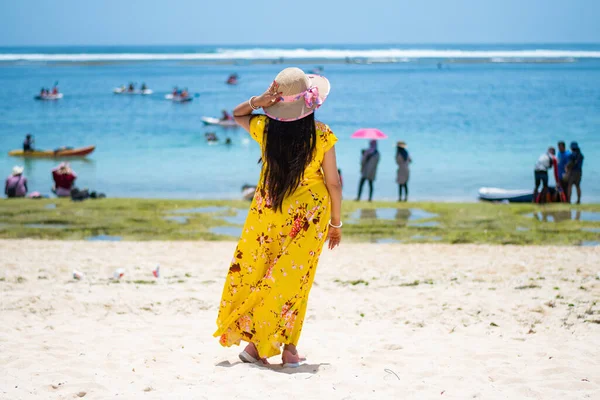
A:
(266, 290)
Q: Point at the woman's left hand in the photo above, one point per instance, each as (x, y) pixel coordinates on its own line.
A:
(335, 237)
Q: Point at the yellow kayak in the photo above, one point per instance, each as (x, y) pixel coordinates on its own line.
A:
(78, 152)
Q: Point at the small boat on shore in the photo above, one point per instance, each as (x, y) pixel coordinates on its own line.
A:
(179, 99)
(512, 196)
(58, 153)
(123, 90)
(56, 96)
(220, 122)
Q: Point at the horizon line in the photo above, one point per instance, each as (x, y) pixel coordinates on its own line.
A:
(301, 44)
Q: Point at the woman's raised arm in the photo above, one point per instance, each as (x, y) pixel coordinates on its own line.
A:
(243, 112)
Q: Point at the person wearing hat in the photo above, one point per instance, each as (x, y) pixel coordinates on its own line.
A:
(573, 171)
(403, 160)
(64, 180)
(295, 209)
(16, 183)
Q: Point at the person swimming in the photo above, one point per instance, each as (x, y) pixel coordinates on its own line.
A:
(232, 80)
(211, 137)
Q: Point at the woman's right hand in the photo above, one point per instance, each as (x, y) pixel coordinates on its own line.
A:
(334, 236)
(270, 97)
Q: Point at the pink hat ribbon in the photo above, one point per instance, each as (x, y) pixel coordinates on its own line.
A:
(311, 97)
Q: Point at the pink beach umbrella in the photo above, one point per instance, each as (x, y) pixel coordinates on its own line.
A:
(369, 133)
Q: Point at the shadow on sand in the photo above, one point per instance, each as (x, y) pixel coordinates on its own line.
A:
(304, 368)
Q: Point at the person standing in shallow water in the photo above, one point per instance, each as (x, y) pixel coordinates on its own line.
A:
(562, 156)
(540, 174)
(574, 168)
(295, 209)
(403, 160)
(368, 168)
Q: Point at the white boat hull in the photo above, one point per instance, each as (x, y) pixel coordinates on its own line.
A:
(144, 92)
(218, 122)
(178, 99)
(49, 96)
(513, 196)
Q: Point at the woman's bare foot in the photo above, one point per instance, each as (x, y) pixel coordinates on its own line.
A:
(253, 352)
(251, 349)
(290, 356)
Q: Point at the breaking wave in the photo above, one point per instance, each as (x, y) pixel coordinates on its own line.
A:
(375, 55)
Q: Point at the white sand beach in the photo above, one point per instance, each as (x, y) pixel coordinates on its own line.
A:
(489, 322)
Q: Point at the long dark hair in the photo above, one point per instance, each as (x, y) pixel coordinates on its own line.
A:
(288, 149)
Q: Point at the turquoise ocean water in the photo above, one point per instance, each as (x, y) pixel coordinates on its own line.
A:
(472, 115)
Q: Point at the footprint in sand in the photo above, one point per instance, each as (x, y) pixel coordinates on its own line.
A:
(393, 347)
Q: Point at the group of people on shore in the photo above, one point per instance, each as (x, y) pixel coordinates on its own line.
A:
(569, 166)
(63, 176)
(368, 169)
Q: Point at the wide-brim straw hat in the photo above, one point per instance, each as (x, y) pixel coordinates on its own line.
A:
(301, 94)
(17, 170)
(402, 144)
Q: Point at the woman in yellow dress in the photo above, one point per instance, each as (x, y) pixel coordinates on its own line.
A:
(296, 208)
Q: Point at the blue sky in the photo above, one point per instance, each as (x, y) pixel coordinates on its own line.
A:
(156, 22)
